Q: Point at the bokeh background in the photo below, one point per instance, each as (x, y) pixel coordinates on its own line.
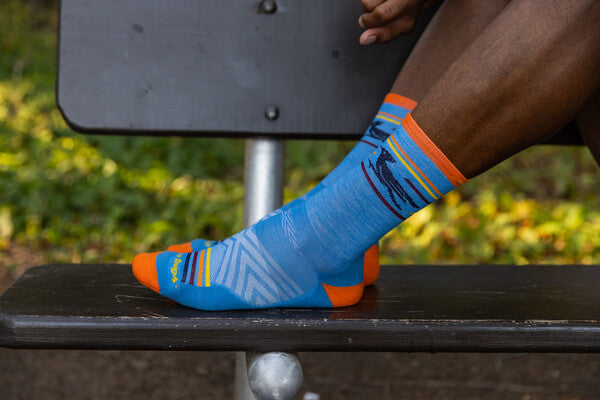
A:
(66, 197)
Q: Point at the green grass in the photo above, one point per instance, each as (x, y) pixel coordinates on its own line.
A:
(82, 198)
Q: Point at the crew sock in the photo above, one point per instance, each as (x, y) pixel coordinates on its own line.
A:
(390, 115)
(282, 261)
(393, 110)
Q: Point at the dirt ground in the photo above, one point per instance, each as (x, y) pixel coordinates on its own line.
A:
(14, 261)
(44, 374)
(54, 374)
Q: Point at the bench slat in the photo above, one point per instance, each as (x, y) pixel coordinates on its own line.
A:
(412, 308)
(192, 67)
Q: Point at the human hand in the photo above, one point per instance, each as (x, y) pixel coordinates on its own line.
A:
(385, 20)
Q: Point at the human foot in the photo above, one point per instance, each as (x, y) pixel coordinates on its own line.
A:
(239, 273)
(282, 260)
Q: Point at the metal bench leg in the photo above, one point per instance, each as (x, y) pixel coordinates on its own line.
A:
(266, 376)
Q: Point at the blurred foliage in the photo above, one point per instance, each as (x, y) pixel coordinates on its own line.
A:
(79, 198)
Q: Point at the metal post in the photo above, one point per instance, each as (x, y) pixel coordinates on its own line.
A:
(272, 376)
(242, 388)
(263, 179)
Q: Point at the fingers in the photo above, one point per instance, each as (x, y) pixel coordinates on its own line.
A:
(385, 12)
(369, 5)
(388, 32)
(381, 15)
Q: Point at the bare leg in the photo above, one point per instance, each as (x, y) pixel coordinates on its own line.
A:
(525, 76)
(454, 27)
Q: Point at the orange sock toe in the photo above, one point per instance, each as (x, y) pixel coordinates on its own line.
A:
(181, 248)
(371, 265)
(144, 269)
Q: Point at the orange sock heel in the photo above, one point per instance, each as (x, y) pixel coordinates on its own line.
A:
(344, 296)
(371, 265)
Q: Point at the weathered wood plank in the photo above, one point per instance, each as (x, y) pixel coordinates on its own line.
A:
(412, 308)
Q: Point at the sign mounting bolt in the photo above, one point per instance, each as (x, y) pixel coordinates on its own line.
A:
(268, 6)
(272, 113)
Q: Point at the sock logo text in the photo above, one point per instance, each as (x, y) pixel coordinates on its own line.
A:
(174, 267)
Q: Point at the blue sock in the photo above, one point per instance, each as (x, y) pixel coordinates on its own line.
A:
(391, 113)
(388, 118)
(282, 261)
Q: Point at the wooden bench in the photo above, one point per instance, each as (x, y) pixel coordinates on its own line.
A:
(268, 71)
(476, 308)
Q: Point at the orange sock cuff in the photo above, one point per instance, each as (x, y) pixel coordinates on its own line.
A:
(400, 101)
(432, 151)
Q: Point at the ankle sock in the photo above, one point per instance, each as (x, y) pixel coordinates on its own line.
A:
(282, 261)
(390, 115)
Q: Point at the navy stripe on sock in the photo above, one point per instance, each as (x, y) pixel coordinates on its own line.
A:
(369, 143)
(416, 191)
(193, 273)
(396, 213)
(185, 267)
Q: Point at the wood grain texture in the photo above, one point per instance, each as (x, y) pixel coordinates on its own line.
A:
(411, 308)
